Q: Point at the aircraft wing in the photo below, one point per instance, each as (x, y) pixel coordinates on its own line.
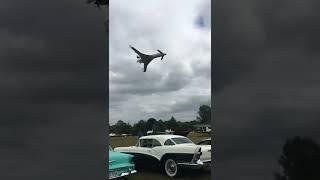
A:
(136, 51)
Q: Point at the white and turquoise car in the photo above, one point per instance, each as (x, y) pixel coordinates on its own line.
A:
(168, 152)
(120, 164)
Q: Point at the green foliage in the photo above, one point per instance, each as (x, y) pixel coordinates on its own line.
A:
(121, 128)
(204, 113)
(143, 126)
(151, 123)
(140, 127)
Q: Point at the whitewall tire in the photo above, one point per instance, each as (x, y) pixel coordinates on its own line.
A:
(171, 167)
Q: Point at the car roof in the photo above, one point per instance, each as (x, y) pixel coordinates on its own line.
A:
(162, 137)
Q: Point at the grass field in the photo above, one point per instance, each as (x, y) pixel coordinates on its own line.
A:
(194, 174)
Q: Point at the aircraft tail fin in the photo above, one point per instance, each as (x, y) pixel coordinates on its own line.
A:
(163, 54)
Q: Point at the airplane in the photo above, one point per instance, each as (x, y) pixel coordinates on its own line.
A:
(146, 59)
(98, 2)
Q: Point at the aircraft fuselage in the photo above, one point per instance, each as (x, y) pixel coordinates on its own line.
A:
(149, 58)
(156, 55)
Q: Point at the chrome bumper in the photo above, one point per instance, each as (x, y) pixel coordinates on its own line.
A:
(123, 174)
(198, 163)
(207, 163)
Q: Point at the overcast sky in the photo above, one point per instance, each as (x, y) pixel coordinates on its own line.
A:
(176, 86)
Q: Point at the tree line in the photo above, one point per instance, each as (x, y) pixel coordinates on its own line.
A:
(142, 126)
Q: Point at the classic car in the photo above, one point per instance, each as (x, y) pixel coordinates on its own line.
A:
(205, 142)
(120, 164)
(170, 152)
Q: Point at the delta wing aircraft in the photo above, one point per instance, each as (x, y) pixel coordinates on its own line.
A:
(146, 59)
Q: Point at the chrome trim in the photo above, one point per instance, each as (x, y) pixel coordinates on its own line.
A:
(206, 161)
(124, 174)
(196, 155)
(198, 163)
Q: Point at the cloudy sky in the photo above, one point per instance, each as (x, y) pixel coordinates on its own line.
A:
(175, 86)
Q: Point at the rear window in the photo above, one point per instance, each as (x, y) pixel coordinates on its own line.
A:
(181, 140)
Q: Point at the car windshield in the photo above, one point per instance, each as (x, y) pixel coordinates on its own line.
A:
(181, 140)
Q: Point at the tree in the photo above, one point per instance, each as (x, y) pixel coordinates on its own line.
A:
(121, 128)
(160, 125)
(139, 128)
(151, 123)
(172, 124)
(204, 113)
(300, 160)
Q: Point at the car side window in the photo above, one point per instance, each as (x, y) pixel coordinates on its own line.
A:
(168, 142)
(146, 143)
(156, 143)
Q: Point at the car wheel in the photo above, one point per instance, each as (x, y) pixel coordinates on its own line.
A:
(171, 167)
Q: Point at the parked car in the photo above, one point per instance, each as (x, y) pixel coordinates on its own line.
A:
(205, 142)
(120, 164)
(170, 152)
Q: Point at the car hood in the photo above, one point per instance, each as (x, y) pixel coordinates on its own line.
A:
(116, 157)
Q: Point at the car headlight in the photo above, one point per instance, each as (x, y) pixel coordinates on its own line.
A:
(196, 155)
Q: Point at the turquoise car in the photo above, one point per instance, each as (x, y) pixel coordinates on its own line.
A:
(120, 164)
